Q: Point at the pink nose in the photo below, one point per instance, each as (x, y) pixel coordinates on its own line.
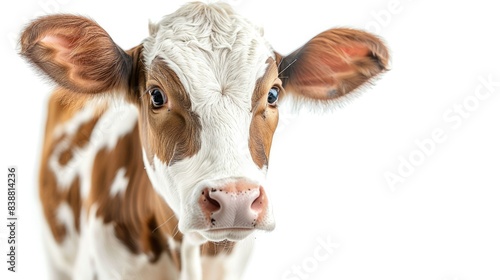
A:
(238, 204)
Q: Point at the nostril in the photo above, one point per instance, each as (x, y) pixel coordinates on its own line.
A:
(260, 202)
(210, 204)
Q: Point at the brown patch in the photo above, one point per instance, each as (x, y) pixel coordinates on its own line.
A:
(334, 63)
(65, 157)
(82, 137)
(265, 116)
(75, 202)
(171, 132)
(51, 198)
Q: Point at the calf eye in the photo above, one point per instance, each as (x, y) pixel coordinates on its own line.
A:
(272, 96)
(158, 98)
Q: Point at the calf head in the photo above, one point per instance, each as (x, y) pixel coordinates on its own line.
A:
(207, 87)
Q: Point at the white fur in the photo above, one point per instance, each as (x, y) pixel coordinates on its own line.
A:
(190, 257)
(120, 182)
(218, 57)
(65, 217)
(61, 265)
(84, 266)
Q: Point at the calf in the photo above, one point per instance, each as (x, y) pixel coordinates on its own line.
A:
(154, 158)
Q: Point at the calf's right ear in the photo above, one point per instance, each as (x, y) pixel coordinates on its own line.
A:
(76, 53)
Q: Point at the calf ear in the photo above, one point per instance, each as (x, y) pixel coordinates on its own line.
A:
(333, 63)
(76, 53)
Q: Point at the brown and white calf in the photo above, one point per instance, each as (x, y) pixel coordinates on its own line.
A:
(154, 159)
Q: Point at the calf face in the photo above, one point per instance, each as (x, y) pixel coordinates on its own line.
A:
(207, 86)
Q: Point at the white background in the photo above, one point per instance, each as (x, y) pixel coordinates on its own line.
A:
(327, 171)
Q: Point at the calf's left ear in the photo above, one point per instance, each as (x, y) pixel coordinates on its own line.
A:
(333, 63)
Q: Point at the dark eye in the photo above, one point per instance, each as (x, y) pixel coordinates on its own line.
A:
(272, 96)
(158, 98)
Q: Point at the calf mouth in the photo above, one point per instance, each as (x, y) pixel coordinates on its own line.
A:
(229, 234)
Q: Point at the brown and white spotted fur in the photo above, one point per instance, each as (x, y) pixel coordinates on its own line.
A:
(154, 159)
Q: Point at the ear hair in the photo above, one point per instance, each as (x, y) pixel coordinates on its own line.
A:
(76, 53)
(332, 65)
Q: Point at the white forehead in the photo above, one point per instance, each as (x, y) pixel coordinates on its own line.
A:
(217, 54)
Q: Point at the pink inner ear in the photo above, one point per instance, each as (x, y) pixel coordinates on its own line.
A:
(62, 48)
(337, 62)
(55, 40)
(355, 51)
(60, 44)
(324, 64)
(327, 70)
